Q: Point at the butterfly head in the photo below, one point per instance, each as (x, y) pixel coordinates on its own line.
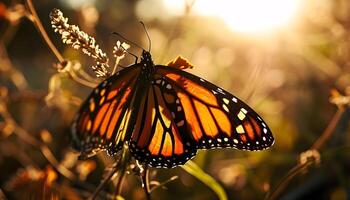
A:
(146, 57)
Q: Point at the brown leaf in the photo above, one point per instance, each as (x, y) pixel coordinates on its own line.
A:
(180, 63)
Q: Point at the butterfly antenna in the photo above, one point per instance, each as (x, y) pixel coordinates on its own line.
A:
(149, 39)
(124, 38)
(136, 58)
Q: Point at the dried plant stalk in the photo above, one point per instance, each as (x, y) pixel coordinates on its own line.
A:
(72, 35)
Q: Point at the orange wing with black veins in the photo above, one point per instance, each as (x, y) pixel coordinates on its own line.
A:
(100, 122)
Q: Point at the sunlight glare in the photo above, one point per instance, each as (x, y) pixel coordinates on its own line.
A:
(249, 16)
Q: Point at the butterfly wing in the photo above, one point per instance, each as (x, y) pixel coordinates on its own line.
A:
(100, 122)
(161, 137)
(214, 117)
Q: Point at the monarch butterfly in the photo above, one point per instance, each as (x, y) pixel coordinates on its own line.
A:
(165, 115)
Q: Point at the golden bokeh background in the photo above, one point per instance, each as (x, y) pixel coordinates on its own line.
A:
(281, 57)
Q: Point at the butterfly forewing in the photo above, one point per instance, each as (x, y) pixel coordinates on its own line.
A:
(214, 117)
(100, 122)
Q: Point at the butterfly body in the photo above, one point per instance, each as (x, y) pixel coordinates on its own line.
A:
(165, 115)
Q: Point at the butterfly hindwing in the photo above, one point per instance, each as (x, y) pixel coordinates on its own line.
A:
(99, 123)
(161, 137)
(215, 117)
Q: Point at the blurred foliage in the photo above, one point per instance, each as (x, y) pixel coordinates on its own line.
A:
(285, 75)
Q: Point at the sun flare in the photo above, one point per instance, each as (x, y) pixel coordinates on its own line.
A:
(250, 16)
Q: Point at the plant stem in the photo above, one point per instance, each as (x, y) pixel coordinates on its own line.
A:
(41, 29)
(285, 181)
(329, 130)
(44, 149)
(104, 182)
(327, 133)
(124, 163)
(77, 79)
(145, 183)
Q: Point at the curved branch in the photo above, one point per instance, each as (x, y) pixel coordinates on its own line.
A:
(300, 167)
(42, 31)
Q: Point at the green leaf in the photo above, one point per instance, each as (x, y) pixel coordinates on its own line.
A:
(193, 169)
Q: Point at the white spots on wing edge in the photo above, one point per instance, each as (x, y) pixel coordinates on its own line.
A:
(242, 114)
(225, 108)
(226, 101)
(244, 110)
(240, 129)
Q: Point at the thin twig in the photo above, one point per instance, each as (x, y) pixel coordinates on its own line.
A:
(87, 77)
(54, 162)
(124, 162)
(286, 179)
(119, 169)
(6, 65)
(300, 167)
(105, 181)
(35, 19)
(116, 64)
(329, 130)
(81, 81)
(8, 33)
(42, 31)
(164, 183)
(145, 183)
(26, 137)
(2, 195)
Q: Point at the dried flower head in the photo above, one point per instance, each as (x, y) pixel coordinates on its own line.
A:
(100, 69)
(339, 99)
(311, 155)
(119, 49)
(72, 35)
